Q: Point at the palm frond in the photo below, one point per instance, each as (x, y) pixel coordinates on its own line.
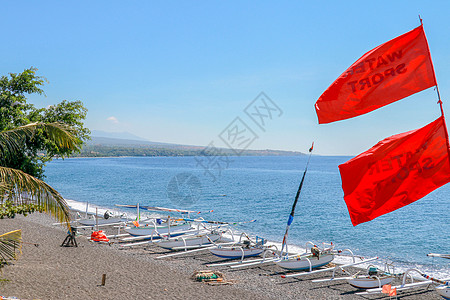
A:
(62, 135)
(10, 245)
(23, 188)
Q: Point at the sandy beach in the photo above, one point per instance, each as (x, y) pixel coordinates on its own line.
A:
(49, 271)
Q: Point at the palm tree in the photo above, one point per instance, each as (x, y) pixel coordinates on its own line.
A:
(21, 188)
(10, 246)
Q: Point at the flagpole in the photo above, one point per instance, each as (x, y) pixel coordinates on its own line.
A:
(434, 74)
(438, 95)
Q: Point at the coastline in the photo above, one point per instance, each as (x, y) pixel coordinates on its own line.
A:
(49, 271)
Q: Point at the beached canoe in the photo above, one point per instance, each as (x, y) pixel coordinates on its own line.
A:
(188, 242)
(305, 262)
(156, 230)
(237, 251)
(93, 222)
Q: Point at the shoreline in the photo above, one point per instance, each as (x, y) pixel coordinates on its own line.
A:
(53, 272)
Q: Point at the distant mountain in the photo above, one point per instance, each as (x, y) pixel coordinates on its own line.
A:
(112, 147)
(117, 135)
(107, 141)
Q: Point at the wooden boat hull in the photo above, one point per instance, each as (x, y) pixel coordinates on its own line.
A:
(235, 252)
(151, 230)
(188, 242)
(369, 282)
(301, 263)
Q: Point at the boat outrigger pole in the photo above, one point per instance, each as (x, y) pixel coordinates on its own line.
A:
(291, 216)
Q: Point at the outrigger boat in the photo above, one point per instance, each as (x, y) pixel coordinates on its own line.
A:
(318, 257)
(242, 249)
(203, 233)
(155, 228)
(224, 247)
(444, 285)
(158, 227)
(107, 219)
(186, 242)
(308, 261)
(443, 288)
(375, 278)
(331, 269)
(370, 281)
(208, 235)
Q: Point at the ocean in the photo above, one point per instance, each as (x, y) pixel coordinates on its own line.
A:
(240, 189)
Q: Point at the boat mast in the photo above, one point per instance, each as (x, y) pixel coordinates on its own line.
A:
(291, 216)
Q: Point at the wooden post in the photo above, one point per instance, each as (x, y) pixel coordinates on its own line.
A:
(103, 279)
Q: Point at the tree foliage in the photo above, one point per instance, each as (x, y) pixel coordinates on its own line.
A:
(30, 137)
(15, 111)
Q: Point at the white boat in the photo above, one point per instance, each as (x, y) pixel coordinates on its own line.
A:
(237, 251)
(189, 241)
(317, 257)
(444, 291)
(306, 262)
(374, 278)
(369, 282)
(154, 230)
(331, 269)
(102, 222)
(108, 218)
(241, 250)
(443, 288)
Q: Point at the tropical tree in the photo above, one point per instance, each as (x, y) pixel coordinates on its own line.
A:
(30, 137)
(15, 111)
(23, 193)
(10, 246)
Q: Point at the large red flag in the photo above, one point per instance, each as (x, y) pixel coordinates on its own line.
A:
(387, 73)
(396, 172)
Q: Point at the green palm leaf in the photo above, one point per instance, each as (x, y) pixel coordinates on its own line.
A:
(22, 188)
(60, 134)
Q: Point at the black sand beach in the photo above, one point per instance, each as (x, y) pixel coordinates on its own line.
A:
(48, 271)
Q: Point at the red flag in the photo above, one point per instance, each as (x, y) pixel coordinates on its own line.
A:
(393, 292)
(396, 172)
(385, 74)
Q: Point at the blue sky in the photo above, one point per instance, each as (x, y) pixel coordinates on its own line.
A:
(182, 71)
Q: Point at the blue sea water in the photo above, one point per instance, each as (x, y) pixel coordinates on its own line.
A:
(263, 188)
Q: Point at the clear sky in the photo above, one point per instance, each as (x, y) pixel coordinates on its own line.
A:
(182, 71)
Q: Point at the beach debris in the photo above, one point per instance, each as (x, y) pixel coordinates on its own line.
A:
(210, 277)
